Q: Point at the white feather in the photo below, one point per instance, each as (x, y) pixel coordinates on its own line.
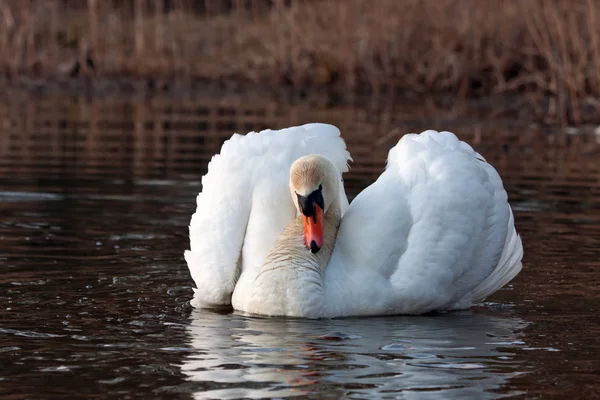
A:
(245, 203)
(434, 232)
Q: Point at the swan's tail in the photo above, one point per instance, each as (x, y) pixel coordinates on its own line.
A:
(508, 267)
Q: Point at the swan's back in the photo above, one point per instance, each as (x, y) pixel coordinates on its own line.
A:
(245, 203)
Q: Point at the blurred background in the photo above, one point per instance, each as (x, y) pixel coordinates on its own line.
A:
(111, 109)
(547, 50)
(172, 79)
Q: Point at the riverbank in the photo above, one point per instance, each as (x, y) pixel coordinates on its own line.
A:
(546, 52)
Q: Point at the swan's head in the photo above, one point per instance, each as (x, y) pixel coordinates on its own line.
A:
(314, 184)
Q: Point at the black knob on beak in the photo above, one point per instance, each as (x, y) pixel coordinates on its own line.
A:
(307, 203)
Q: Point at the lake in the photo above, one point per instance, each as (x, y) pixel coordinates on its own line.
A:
(95, 197)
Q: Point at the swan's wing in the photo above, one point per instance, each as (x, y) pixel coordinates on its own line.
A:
(245, 202)
(429, 230)
(508, 267)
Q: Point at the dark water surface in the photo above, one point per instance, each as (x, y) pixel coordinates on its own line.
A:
(95, 198)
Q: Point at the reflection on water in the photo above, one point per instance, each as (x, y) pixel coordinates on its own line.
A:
(95, 198)
(460, 355)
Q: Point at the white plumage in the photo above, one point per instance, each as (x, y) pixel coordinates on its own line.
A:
(434, 232)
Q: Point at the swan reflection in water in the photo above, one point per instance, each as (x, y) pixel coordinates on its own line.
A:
(455, 355)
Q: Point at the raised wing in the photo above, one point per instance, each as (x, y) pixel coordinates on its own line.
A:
(245, 203)
(460, 219)
(429, 231)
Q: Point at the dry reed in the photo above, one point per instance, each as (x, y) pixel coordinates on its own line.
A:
(548, 50)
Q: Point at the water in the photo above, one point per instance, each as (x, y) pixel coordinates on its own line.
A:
(95, 198)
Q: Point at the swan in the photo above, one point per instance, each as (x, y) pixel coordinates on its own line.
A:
(273, 233)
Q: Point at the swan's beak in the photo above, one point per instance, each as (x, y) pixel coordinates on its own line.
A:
(313, 230)
(312, 207)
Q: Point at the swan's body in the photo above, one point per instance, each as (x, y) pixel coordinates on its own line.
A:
(434, 232)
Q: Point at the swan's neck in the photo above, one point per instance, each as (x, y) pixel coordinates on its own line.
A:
(289, 249)
(290, 282)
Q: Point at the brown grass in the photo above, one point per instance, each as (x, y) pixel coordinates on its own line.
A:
(549, 50)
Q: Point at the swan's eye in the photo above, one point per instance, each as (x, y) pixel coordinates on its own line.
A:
(320, 187)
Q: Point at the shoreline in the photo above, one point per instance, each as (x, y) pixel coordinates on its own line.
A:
(545, 52)
(517, 106)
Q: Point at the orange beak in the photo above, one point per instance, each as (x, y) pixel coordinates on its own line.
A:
(313, 230)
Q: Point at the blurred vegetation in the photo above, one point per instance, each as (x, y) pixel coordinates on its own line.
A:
(546, 50)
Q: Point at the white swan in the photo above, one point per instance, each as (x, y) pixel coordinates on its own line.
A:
(273, 233)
